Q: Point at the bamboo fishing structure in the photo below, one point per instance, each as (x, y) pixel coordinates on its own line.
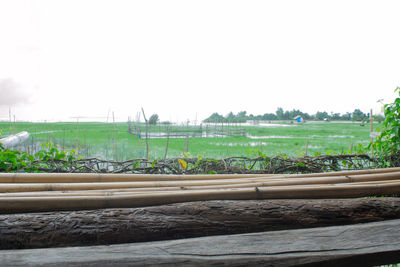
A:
(51, 192)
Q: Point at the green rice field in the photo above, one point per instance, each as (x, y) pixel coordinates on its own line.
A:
(122, 141)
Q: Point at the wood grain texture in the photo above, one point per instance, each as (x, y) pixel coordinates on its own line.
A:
(185, 220)
(350, 245)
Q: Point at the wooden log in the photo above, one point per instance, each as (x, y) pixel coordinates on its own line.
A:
(111, 226)
(366, 244)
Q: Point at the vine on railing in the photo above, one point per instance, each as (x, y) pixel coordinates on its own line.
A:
(50, 159)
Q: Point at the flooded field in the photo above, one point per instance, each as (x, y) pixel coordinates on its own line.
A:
(120, 141)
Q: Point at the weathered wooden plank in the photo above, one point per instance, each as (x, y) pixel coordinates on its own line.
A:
(350, 245)
(185, 220)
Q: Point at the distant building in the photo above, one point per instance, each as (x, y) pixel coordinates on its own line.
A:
(298, 119)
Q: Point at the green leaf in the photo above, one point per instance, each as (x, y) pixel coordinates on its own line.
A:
(153, 163)
(135, 165)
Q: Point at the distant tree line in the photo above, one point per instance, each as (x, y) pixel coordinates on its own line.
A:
(280, 114)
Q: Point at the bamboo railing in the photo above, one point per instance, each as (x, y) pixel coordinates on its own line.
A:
(22, 192)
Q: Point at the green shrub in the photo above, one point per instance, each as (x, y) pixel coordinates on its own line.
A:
(386, 146)
(12, 160)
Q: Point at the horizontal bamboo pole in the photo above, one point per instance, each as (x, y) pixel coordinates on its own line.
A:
(102, 177)
(34, 204)
(249, 182)
(19, 187)
(105, 177)
(342, 173)
(158, 190)
(106, 191)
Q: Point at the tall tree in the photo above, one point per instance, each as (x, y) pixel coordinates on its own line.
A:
(153, 119)
(215, 117)
(280, 114)
(321, 115)
(358, 115)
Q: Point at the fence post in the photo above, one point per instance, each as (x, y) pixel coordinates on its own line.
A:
(187, 142)
(306, 147)
(372, 129)
(147, 135)
(166, 147)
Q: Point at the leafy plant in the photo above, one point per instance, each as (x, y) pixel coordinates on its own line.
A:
(387, 143)
(136, 165)
(199, 160)
(13, 160)
(183, 163)
(1, 145)
(185, 155)
(257, 153)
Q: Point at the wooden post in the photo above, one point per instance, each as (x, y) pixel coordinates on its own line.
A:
(77, 135)
(306, 147)
(115, 147)
(372, 129)
(166, 147)
(9, 117)
(187, 142)
(147, 135)
(107, 144)
(63, 142)
(85, 145)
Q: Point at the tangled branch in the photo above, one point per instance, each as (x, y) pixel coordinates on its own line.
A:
(242, 165)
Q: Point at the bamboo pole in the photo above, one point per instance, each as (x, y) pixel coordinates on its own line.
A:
(102, 177)
(34, 204)
(147, 190)
(154, 191)
(186, 185)
(21, 187)
(268, 181)
(340, 173)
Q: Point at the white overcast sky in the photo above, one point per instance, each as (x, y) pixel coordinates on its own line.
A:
(181, 59)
